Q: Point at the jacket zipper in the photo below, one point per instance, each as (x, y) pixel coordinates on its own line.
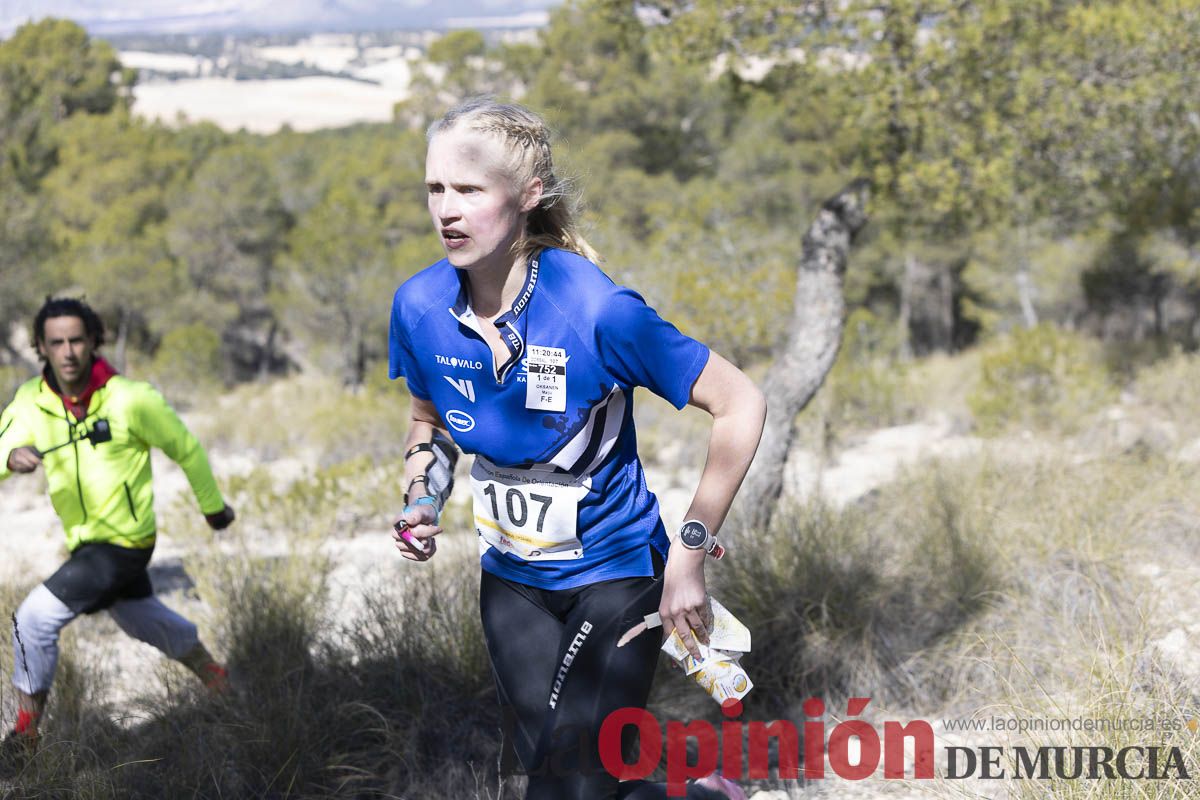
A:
(78, 477)
(129, 499)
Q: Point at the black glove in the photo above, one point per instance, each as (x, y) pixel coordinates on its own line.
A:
(222, 519)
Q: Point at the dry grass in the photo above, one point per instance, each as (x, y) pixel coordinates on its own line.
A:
(313, 417)
(1008, 584)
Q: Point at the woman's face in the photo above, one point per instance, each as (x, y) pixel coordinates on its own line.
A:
(474, 206)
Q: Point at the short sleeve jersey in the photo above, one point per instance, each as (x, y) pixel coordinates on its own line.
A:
(600, 341)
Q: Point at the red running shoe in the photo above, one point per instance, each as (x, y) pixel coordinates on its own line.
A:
(215, 678)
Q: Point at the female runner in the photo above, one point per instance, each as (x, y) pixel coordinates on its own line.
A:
(519, 348)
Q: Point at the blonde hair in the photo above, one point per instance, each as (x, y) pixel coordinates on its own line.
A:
(552, 223)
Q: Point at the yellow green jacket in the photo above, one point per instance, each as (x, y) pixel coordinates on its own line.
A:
(103, 493)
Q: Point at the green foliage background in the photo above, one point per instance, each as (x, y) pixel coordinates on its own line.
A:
(1033, 163)
(1037, 178)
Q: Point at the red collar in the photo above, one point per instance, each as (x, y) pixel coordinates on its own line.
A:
(102, 371)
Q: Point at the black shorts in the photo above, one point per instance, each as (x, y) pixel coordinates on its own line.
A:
(559, 673)
(98, 575)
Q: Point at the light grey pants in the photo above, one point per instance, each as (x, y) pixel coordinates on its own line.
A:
(37, 623)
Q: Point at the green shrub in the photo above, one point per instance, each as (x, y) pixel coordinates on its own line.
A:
(868, 386)
(1041, 378)
(1168, 387)
(842, 599)
(187, 362)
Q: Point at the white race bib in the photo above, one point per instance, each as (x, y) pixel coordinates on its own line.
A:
(530, 513)
(546, 383)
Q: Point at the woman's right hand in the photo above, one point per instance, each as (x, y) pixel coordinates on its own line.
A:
(413, 532)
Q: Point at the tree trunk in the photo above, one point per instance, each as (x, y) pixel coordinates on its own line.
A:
(926, 307)
(945, 287)
(1024, 284)
(122, 340)
(360, 359)
(801, 364)
(906, 299)
(1025, 298)
(266, 362)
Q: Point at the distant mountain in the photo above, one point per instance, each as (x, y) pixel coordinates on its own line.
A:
(206, 16)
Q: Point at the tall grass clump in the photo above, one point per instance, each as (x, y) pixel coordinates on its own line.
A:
(417, 651)
(394, 702)
(894, 595)
(839, 600)
(78, 728)
(332, 501)
(1074, 638)
(1128, 703)
(310, 416)
(1167, 388)
(1085, 673)
(1078, 533)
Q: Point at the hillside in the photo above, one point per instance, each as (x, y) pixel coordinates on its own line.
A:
(104, 17)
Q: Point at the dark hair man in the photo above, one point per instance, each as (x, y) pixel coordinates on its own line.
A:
(92, 430)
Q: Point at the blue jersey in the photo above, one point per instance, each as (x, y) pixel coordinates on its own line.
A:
(560, 498)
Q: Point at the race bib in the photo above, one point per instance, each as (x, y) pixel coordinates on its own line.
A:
(546, 384)
(529, 513)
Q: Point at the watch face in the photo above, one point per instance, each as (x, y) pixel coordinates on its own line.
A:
(693, 534)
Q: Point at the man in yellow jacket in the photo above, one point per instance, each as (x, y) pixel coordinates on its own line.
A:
(91, 430)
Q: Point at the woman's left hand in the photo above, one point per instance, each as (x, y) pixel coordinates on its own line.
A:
(684, 606)
(413, 532)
